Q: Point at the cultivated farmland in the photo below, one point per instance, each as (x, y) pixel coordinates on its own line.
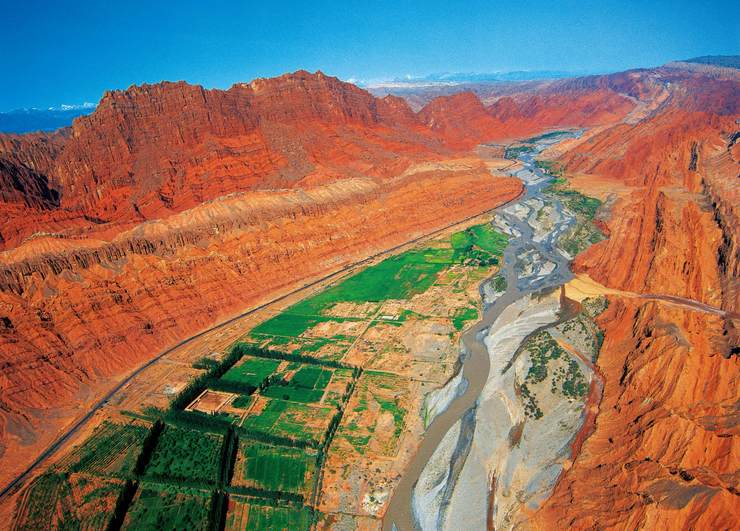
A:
(274, 468)
(255, 514)
(168, 509)
(112, 450)
(186, 455)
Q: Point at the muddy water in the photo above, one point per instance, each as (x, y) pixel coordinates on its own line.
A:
(476, 366)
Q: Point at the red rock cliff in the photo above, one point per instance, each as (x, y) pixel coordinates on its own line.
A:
(663, 453)
(171, 208)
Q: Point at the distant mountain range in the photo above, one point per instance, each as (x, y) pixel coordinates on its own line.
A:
(51, 119)
(727, 61)
(456, 78)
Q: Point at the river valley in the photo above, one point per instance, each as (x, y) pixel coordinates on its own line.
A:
(519, 401)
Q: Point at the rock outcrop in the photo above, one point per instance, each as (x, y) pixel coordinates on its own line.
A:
(663, 452)
(171, 208)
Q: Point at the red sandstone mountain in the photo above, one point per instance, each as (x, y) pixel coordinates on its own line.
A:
(663, 452)
(172, 207)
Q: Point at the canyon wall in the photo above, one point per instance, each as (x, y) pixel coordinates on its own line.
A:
(664, 451)
(172, 208)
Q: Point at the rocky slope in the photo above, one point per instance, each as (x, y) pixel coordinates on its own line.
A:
(465, 121)
(663, 452)
(171, 208)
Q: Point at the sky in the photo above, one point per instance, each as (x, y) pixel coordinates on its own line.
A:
(54, 53)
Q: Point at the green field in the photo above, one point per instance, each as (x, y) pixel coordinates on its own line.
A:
(251, 371)
(290, 419)
(307, 385)
(482, 239)
(252, 515)
(397, 277)
(111, 450)
(60, 501)
(294, 394)
(186, 455)
(168, 509)
(275, 468)
(464, 316)
(243, 401)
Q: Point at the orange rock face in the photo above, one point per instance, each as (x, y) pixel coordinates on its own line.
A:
(465, 121)
(172, 208)
(664, 451)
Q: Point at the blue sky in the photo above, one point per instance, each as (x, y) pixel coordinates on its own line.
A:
(70, 52)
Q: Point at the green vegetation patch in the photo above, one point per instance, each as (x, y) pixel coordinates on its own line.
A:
(255, 515)
(514, 152)
(574, 383)
(545, 136)
(542, 348)
(295, 394)
(243, 401)
(112, 450)
(187, 456)
(479, 245)
(290, 323)
(276, 468)
(584, 233)
(168, 509)
(306, 385)
(292, 420)
(63, 501)
(463, 316)
(397, 277)
(499, 283)
(251, 371)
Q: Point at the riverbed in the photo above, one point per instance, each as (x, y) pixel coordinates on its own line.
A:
(483, 456)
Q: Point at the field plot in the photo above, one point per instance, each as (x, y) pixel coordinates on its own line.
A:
(251, 371)
(168, 509)
(300, 422)
(247, 513)
(375, 415)
(210, 401)
(274, 468)
(242, 402)
(306, 385)
(338, 387)
(56, 501)
(417, 347)
(111, 450)
(186, 455)
(327, 324)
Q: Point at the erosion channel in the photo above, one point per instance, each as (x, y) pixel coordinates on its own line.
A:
(502, 429)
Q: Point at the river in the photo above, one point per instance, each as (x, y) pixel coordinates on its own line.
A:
(442, 486)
